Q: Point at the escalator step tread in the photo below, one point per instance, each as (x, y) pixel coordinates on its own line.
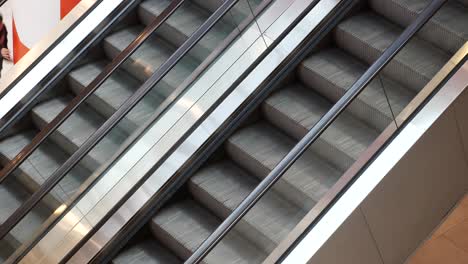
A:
(116, 42)
(185, 20)
(332, 72)
(148, 57)
(41, 164)
(184, 225)
(12, 195)
(113, 93)
(446, 29)
(240, 10)
(260, 147)
(222, 186)
(146, 252)
(183, 23)
(367, 35)
(77, 129)
(296, 110)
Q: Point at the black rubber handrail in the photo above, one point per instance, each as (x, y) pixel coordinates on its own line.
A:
(123, 7)
(314, 133)
(61, 172)
(2, 2)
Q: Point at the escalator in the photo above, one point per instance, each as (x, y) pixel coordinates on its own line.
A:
(176, 231)
(64, 141)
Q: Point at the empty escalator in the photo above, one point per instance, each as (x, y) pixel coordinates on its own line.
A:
(89, 116)
(214, 191)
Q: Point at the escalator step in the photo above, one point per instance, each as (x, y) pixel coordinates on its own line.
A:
(446, 29)
(184, 225)
(148, 57)
(260, 147)
(77, 129)
(296, 110)
(113, 93)
(221, 187)
(332, 72)
(183, 23)
(238, 12)
(146, 252)
(40, 165)
(367, 35)
(12, 195)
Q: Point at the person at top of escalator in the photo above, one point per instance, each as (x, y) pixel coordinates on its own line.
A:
(3, 43)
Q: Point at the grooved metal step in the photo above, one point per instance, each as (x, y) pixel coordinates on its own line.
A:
(222, 186)
(367, 35)
(259, 148)
(40, 166)
(148, 57)
(449, 22)
(12, 195)
(295, 109)
(77, 129)
(113, 93)
(332, 72)
(146, 252)
(183, 23)
(184, 225)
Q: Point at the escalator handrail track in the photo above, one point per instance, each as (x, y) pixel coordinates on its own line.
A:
(61, 172)
(314, 133)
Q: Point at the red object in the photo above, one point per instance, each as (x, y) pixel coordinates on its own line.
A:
(19, 49)
(66, 6)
